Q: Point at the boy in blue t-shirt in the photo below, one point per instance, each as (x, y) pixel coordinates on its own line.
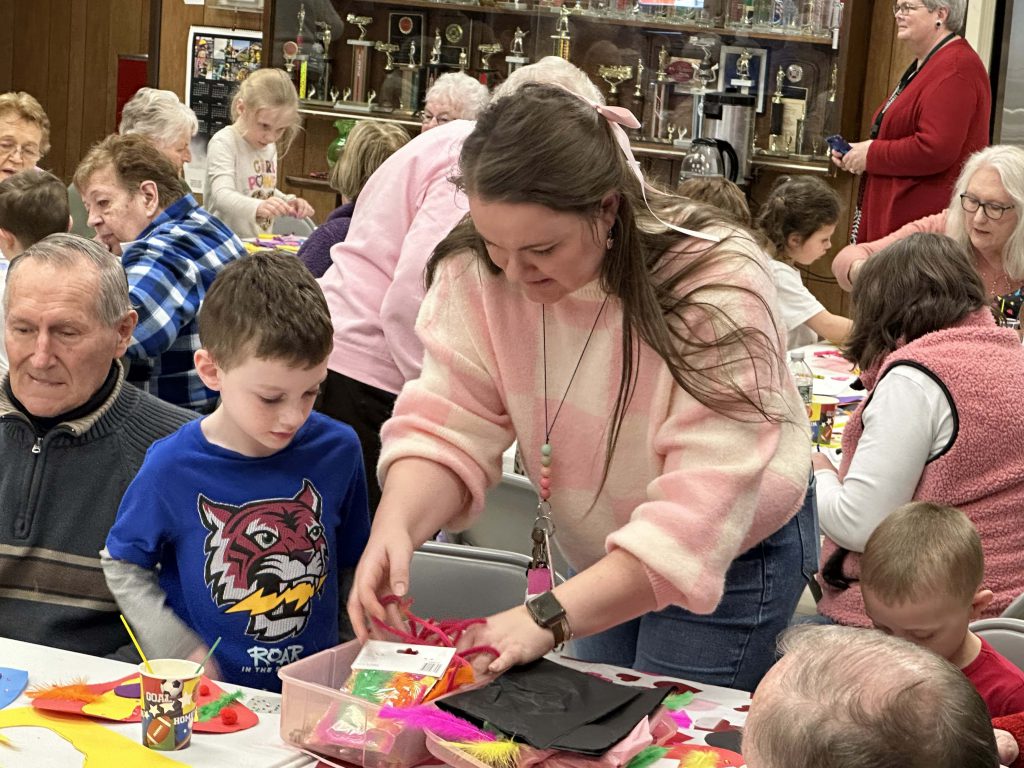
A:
(238, 524)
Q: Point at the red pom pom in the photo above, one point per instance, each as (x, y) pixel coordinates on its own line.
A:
(204, 689)
(228, 716)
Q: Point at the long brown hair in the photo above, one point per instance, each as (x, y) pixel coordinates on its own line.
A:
(546, 146)
(922, 283)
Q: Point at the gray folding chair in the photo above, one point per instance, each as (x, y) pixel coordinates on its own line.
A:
(507, 520)
(456, 581)
(1014, 610)
(1005, 635)
(289, 225)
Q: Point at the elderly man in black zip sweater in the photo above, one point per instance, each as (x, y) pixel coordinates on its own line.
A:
(72, 437)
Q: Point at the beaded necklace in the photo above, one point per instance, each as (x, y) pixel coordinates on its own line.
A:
(540, 577)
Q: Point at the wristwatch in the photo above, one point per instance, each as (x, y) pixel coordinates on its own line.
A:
(548, 613)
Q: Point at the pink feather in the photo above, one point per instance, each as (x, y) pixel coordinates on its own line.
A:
(429, 718)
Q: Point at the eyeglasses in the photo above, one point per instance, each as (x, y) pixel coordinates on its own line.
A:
(29, 154)
(440, 119)
(904, 9)
(992, 210)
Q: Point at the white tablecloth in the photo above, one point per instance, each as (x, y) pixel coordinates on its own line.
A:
(258, 747)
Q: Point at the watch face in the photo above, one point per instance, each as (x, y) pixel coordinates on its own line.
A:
(545, 609)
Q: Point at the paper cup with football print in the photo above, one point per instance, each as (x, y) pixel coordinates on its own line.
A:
(822, 410)
(170, 688)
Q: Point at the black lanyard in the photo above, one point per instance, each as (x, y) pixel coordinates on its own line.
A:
(908, 76)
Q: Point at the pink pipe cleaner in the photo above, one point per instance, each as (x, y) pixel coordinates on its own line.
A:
(444, 632)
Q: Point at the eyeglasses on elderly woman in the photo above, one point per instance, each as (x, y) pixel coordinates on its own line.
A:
(904, 9)
(992, 210)
(30, 153)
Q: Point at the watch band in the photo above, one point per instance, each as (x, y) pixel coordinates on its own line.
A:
(548, 613)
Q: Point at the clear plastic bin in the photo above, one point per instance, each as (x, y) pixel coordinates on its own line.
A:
(311, 700)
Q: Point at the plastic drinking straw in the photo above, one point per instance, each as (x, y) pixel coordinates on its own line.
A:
(208, 655)
(136, 643)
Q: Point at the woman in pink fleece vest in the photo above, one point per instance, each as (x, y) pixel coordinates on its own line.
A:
(940, 423)
(671, 443)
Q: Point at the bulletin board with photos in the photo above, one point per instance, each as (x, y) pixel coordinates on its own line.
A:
(654, 57)
(218, 60)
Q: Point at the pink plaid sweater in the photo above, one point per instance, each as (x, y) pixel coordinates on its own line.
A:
(982, 473)
(689, 489)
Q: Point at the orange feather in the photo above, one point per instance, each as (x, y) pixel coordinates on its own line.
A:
(77, 690)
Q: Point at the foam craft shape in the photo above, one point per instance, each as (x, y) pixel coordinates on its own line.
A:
(724, 758)
(111, 706)
(12, 683)
(101, 747)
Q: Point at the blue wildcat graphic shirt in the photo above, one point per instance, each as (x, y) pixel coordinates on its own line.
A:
(249, 549)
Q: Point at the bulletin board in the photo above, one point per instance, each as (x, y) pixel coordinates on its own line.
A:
(218, 60)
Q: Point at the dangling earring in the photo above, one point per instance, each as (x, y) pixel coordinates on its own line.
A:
(609, 242)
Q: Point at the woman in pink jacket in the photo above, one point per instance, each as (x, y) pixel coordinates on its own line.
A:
(984, 216)
(641, 369)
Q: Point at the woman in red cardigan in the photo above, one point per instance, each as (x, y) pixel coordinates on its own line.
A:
(937, 116)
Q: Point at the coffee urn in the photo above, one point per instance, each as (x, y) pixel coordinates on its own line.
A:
(730, 117)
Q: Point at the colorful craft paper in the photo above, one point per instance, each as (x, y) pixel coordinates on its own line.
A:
(12, 683)
(101, 747)
(112, 704)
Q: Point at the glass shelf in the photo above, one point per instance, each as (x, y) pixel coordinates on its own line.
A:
(795, 80)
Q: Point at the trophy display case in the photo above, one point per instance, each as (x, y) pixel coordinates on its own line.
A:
(768, 77)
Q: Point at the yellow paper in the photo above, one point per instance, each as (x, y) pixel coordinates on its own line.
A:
(111, 706)
(101, 747)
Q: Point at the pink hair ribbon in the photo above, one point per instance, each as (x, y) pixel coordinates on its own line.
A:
(618, 117)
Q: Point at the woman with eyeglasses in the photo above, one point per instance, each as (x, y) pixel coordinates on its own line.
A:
(984, 216)
(24, 133)
(937, 115)
(453, 96)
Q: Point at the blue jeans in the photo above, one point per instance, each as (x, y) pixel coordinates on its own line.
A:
(735, 645)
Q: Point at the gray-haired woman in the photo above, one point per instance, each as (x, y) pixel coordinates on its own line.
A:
(984, 216)
(937, 115)
(163, 119)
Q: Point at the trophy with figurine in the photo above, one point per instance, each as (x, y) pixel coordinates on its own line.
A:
(615, 75)
(660, 84)
(487, 72)
(360, 62)
(561, 36)
(516, 58)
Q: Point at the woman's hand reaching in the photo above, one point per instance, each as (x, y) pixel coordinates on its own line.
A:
(383, 570)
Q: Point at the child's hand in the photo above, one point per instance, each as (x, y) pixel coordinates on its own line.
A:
(1007, 746)
(273, 207)
(301, 209)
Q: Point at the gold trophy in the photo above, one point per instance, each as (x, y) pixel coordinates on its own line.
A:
(388, 49)
(615, 75)
(486, 51)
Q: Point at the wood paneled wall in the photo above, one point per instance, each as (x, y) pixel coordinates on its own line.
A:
(64, 52)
